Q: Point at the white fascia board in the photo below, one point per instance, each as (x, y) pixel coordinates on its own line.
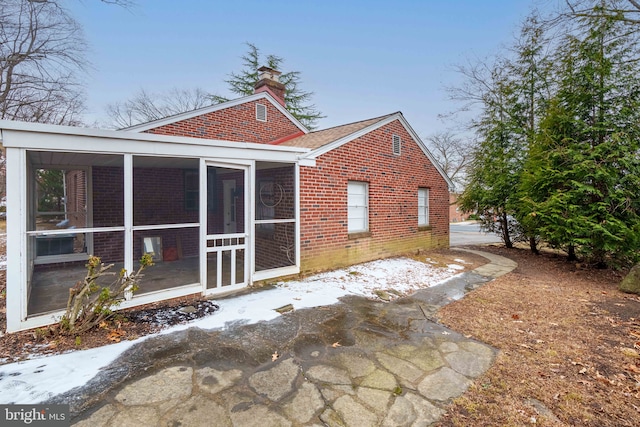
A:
(34, 136)
(306, 162)
(339, 142)
(217, 107)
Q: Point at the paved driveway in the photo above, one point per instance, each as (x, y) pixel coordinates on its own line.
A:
(468, 233)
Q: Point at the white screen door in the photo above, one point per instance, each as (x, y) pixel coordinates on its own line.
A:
(227, 214)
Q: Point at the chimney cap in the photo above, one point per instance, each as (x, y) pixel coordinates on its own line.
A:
(267, 73)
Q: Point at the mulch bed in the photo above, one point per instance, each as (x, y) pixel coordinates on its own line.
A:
(126, 325)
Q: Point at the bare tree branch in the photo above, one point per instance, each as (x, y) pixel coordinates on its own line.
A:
(146, 106)
(41, 54)
(453, 153)
(123, 3)
(610, 8)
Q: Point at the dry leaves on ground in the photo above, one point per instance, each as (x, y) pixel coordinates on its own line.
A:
(567, 341)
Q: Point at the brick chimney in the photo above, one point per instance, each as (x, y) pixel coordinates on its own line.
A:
(268, 82)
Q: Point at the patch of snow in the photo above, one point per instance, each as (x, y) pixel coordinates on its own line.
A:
(461, 261)
(455, 267)
(35, 380)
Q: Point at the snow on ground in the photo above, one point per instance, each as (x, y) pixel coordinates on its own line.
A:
(35, 380)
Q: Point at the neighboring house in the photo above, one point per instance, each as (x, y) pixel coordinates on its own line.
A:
(456, 214)
(223, 196)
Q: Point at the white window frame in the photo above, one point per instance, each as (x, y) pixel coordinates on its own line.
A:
(357, 206)
(261, 112)
(423, 207)
(396, 144)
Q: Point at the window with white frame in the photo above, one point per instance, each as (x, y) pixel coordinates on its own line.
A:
(423, 207)
(358, 206)
(261, 112)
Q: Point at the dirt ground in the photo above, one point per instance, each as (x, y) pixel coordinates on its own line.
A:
(568, 346)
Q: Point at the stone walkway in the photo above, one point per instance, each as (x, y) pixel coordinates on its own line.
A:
(357, 363)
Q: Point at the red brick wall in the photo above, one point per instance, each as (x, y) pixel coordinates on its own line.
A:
(233, 124)
(158, 199)
(108, 211)
(393, 188)
(108, 196)
(76, 189)
(393, 201)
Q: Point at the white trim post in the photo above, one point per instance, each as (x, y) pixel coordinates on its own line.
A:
(17, 258)
(203, 191)
(128, 216)
(249, 221)
(298, 222)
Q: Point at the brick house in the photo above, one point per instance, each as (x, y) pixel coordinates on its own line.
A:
(456, 214)
(223, 196)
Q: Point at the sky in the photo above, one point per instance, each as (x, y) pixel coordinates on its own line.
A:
(33, 381)
(361, 58)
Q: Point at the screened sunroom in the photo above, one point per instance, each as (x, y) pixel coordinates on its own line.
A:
(215, 215)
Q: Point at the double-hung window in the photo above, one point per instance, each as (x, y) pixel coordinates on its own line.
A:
(423, 207)
(358, 206)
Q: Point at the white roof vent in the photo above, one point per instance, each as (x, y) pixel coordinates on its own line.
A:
(397, 145)
(261, 112)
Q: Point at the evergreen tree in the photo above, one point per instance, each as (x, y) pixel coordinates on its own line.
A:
(532, 75)
(514, 98)
(148, 106)
(296, 100)
(583, 175)
(495, 168)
